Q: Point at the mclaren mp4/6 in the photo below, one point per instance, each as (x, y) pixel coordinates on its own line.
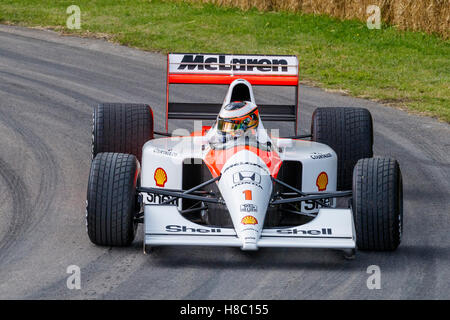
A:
(233, 183)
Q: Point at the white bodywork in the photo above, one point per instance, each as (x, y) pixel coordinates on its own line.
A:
(246, 188)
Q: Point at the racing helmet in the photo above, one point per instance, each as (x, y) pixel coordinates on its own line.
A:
(237, 117)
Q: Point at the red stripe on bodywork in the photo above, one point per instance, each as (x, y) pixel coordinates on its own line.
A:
(216, 159)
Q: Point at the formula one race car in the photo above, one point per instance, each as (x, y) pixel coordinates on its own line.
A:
(234, 184)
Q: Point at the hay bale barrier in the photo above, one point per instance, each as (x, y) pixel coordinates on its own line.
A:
(432, 16)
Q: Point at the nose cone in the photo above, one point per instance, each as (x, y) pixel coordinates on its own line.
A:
(246, 187)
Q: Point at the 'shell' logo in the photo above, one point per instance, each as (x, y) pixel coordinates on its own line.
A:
(249, 220)
(160, 177)
(322, 181)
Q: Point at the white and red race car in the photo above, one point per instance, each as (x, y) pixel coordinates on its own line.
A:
(234, 183)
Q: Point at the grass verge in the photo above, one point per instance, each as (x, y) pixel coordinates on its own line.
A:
(405, 69)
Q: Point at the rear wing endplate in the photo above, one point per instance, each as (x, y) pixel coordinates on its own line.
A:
(222, 69)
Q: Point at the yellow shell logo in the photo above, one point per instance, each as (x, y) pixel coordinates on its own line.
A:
(160, 177)
(249, 220)
(322, 181)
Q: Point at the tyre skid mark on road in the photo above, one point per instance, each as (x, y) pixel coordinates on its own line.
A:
(75, 73)
(84, 92)
(28, 83)
(21, 214)
(32, 212)
(35, 94)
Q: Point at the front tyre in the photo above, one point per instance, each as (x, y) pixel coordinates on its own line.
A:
(111, 199)
(378, 204)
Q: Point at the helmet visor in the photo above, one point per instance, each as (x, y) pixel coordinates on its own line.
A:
(228, 126)
(235, 124)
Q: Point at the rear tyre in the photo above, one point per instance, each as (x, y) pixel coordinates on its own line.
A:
(349, 132)
(378, 204)
(121, 128)
(111, 199)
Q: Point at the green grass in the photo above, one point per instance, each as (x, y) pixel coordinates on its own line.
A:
(406, 69)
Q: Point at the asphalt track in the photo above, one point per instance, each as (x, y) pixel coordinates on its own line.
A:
(48, 85)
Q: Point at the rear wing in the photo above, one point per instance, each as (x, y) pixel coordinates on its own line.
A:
(222, 69)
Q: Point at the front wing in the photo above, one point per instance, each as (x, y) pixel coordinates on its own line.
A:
(332, 228)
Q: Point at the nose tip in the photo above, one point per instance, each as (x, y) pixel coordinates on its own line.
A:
(246, 246)
(249, 238)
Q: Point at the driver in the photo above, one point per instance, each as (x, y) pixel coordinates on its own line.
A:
(236, 118)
